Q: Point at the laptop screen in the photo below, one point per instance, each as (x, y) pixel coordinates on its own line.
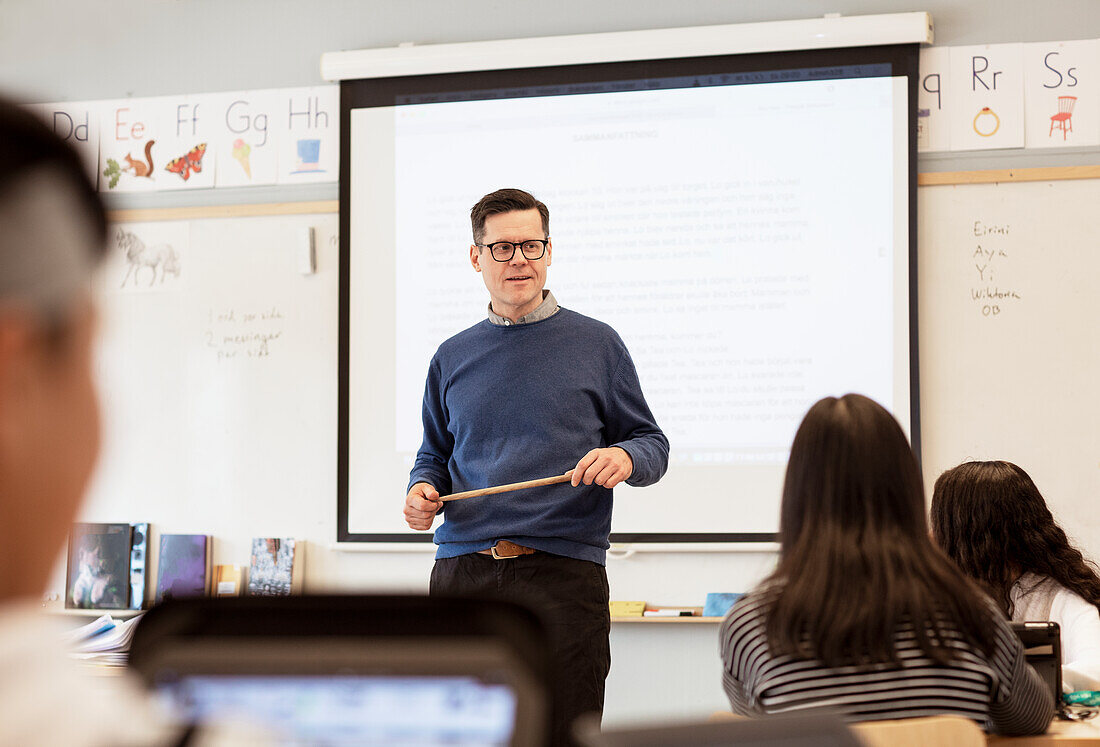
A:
(1043, 649)
(364, 692)
(333, 710)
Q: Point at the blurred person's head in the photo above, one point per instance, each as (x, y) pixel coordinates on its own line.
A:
(857, 562)
(991, 519)
(52, 237)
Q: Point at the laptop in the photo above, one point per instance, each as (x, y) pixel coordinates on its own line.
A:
(1043, 649)
(328, 676)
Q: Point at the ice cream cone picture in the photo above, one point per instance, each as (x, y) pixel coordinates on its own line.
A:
(241, 150)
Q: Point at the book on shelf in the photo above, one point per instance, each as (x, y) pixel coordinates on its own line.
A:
(275, 569)
(98, 569)
(718, 603)
(626, 609)
(183, 566)
(228, 581)
(139, 561)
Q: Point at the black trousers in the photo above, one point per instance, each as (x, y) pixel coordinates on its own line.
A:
(571, 597)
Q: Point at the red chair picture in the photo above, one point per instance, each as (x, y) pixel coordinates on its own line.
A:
(1064, 118)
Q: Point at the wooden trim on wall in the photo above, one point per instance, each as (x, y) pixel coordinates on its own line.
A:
(926, 179)
(223, 211)
(1043, 174)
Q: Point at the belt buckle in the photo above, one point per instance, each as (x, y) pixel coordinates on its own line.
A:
(497, 556)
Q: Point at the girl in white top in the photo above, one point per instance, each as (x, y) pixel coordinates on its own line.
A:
(990, 518)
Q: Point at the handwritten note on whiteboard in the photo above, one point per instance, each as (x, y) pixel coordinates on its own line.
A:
(249, 332)
(992, 261)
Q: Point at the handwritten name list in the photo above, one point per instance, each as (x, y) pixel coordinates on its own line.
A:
(991, 261)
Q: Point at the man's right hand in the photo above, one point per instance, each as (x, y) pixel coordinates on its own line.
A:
(421, 505)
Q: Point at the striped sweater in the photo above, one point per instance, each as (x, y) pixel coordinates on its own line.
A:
(1002, 693)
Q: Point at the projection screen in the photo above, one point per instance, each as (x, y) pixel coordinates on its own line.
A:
(745, 222)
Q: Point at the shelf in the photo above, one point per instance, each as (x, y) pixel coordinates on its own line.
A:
(223, 211)
(115, 614)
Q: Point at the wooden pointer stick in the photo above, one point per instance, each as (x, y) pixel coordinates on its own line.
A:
(508, 488)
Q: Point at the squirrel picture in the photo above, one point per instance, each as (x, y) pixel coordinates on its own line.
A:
(137, 168)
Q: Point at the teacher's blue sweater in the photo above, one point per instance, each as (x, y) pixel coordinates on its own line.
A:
(504, 404)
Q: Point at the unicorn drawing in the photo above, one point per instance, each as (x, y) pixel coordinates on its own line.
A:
(139, 256)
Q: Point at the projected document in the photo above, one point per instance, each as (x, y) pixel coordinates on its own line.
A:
(749, 242)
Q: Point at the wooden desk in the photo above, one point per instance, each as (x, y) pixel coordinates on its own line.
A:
(1060, 734)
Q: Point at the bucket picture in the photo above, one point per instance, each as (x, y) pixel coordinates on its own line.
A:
(309, 155)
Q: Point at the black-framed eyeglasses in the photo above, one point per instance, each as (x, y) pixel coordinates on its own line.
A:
(503, 251)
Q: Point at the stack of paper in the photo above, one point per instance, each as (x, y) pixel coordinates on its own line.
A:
(104, 641)
(100, 625)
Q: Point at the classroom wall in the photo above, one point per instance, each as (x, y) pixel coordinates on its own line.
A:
(57, 50)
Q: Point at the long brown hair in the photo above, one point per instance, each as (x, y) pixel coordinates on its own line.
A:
(991, 519)
(857, 562)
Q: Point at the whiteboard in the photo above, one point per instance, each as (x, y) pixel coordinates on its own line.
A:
(1010, 337)
(217, 375)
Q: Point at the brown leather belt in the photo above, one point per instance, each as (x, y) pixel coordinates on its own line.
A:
(504, 549)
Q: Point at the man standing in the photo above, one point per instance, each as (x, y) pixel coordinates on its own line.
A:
(533, 391)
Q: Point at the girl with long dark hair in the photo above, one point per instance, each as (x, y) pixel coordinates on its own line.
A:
(991, 519)
(863, 614)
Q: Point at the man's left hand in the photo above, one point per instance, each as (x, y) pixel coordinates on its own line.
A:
(605, 467)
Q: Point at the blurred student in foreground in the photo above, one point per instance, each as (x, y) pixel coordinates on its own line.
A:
(864, 615)
(992, 521)
(52, 236)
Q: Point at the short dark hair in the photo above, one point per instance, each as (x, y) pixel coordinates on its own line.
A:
(506, 201)
(856, 560)
(27, 144)
(991, 519)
